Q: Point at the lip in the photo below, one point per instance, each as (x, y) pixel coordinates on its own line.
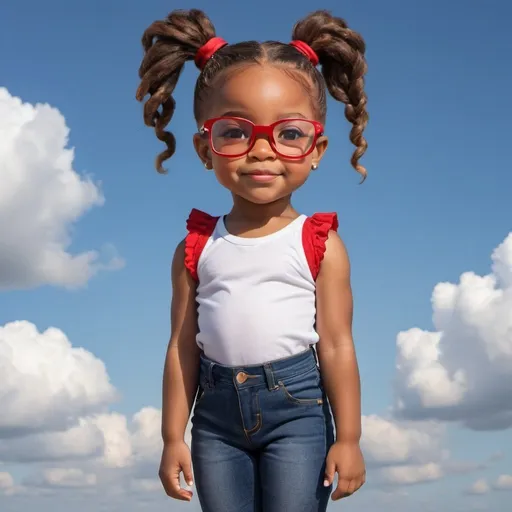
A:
(262, 175)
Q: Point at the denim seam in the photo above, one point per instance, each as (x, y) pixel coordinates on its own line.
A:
(259, 418)
(300, 401)
(247, 433)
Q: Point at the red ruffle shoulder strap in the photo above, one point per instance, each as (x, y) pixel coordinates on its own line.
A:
(200, 226)
(314, 235)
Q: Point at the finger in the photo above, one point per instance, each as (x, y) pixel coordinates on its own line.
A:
(171, 483)
(360, 482)
(180, 493)
(187, 473)
(341, 489)
(353, 486)
(330, 469)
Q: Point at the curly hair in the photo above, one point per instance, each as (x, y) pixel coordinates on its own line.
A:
(169, 43)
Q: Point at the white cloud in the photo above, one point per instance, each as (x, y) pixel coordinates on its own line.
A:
(412, 474)
(479, 487)
(6, 480)
(6, 483)
(462, 370)
(67, 477)
(503, 483)
(41, 198)
(404, 443)
(81, 441)
(117, 443)
(403, 453)
(146, 485)
(46, 382)
(53, 400)
(147, 437)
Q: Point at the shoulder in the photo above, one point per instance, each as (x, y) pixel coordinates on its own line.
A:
(180, 273)
(336, 259)
(315, 236)
(178, 260)
(200, 226)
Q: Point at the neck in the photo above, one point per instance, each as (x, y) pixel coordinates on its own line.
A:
(261, 213)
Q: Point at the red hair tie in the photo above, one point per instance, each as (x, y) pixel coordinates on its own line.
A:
(306, 50)
(207, 50)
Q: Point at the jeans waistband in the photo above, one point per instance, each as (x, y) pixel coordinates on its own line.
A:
(270, 373)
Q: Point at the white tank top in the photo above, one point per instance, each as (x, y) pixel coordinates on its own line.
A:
(256, 296)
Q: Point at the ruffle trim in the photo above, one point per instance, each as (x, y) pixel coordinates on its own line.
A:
(314, 236)
(200, 226)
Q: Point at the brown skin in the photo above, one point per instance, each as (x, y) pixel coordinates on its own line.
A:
(263, 94)
(180, 380)
(339, 368)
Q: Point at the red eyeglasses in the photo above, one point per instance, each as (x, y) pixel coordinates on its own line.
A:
(234, 136)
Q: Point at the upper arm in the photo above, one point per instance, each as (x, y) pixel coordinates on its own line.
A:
(183, 302)
(334, 296)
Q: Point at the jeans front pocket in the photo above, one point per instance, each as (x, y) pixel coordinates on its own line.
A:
(304, 389)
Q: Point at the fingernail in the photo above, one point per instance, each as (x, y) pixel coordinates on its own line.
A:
(190, 482)
(326, 483)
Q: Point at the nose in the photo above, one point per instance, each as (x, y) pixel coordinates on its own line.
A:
(262, 150)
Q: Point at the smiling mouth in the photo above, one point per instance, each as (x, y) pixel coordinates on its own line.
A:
(261, 172)
(261, 175)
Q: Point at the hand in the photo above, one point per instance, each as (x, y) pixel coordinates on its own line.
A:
(347, 460)
(175, 460)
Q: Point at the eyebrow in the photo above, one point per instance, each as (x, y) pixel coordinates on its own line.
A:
(245, 115)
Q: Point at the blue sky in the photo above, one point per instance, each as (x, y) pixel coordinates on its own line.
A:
(434, 204)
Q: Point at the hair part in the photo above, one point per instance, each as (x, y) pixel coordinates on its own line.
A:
(170, 43)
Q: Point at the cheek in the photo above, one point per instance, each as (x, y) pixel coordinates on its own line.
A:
(299, 170)
(225, 169)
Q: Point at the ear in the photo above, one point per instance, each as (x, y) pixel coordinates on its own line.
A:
(202, 148)
(321, 147)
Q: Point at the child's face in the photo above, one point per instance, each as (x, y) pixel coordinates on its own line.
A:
(262, 94)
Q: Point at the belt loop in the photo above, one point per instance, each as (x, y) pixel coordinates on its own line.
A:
(210, 375)
(269, 374)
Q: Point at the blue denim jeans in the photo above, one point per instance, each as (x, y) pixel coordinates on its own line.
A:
(260, 436)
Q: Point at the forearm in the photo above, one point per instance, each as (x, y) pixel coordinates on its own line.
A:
(179, 389)
(340, 374)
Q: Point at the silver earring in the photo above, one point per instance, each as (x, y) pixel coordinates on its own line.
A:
(314, 167)
(207, 166)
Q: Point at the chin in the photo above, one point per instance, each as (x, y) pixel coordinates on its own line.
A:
(262, 197)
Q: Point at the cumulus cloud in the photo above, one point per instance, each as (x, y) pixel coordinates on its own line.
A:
(6, 483)
(46, 382)
(462, 371)
(146, 437)
(503, 483)
(41, 198)
(146, 485)
(412, 474)
(405, 442)
(53, 399)
(65, 477)
(79, 442)
(479, 487)
(403, 453)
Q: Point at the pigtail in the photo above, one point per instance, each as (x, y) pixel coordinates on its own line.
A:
(168, 44)
(341, 54)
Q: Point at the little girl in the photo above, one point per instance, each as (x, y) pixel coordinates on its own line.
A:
(261, 306)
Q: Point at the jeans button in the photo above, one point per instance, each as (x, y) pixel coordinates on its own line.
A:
(241, 377)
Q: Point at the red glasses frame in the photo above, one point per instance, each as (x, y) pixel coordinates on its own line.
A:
(267, 130)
